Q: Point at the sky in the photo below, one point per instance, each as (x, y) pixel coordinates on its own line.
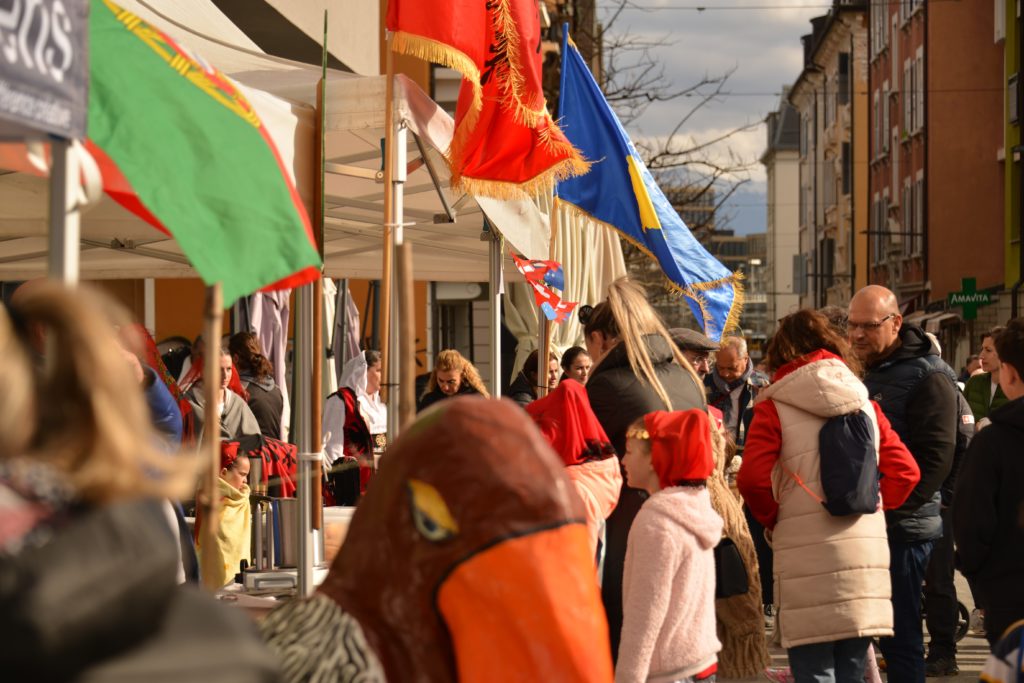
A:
(758, 39)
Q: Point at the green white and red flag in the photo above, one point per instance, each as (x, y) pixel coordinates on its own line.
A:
(179, 145)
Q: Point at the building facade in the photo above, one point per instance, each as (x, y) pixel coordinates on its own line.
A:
(781, 160)
(830, 96)
(939, 139)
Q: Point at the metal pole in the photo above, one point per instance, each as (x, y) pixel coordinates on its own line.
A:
(389, 221)
(309, 467)
(65, 228)
(342, 313)
(394, 366)
(497, 286)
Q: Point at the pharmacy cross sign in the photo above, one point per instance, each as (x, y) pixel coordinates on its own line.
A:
(970, 299)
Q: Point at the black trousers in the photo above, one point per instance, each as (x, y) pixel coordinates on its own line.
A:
(940, 600)
(616, 535)
(765, 558)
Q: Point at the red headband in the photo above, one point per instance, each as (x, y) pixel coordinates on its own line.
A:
(228, 454)
(680, 446)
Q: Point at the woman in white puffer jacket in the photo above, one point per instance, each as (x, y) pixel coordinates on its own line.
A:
(831, 573)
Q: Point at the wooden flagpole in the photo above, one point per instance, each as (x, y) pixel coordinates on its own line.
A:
(209, 497)
(546, 327)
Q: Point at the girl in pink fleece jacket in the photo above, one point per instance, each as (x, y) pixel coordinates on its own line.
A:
(668, 589)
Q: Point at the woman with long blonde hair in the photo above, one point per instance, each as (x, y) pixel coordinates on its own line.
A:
(453, 375)
(637, 370)
(82, 483)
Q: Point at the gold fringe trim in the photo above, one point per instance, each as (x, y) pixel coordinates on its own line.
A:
(441, 53)
(509, 71)
(502, 189)
(693, 291)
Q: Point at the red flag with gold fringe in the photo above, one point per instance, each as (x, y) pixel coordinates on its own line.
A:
(506, 145)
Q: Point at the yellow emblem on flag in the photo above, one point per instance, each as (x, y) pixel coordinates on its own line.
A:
(648, 217)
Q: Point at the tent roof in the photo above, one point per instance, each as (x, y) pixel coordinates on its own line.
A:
(116, 244)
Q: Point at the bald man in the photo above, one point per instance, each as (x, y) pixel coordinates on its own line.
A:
(917, 392)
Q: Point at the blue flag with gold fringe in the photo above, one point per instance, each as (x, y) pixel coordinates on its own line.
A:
(620, 193)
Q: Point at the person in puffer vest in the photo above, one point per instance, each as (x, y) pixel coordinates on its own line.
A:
(917, 392)
(831, 572)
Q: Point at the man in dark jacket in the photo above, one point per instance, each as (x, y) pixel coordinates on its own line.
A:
(732, 386)
(916, 391)
(988, 509)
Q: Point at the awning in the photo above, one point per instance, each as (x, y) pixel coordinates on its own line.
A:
(939, 320)
(116, 244)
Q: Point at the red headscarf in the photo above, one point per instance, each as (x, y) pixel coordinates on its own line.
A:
(680, 445)
(570, 426)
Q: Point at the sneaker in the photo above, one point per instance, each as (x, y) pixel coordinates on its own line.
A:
(769, 616)
(977, 622)
(779, 674)
(941, 666)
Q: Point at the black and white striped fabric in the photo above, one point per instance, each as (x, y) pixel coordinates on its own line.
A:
(317, 642)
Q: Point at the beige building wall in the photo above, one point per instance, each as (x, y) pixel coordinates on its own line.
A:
(783, 170)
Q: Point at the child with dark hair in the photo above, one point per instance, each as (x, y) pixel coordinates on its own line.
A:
(987, 521)
(668, 587)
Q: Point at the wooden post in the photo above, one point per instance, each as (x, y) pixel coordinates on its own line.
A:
(546, 326)
(209, 498)
(406, 337)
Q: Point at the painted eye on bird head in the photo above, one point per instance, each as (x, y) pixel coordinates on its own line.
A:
(430, 513)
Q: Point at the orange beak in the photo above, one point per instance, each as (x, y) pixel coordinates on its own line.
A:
(529, 609)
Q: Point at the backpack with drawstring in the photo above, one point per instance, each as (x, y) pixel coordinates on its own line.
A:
(849, 466)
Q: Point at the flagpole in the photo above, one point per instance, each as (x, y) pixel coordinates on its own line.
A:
(389, 221)
(209, 499)
(543, 352)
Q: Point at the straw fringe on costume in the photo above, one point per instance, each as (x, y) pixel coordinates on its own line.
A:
(739, 619)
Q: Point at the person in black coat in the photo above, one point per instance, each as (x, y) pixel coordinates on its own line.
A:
(257, 376)
(917, 392)
(638, 369)
(523, 389)
(988, 507)
(453, 375)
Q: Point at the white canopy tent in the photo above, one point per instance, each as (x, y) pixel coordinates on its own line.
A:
(443, 226)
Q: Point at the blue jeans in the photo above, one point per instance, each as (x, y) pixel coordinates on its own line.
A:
(840, 661)
(904, 651)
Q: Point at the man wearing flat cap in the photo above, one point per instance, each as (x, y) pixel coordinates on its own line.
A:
(695, 347)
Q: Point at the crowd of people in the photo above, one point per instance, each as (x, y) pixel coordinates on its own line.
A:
(822, 501)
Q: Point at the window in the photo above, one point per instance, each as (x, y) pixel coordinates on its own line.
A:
(908, 216)
(908, 96)
(895, 163)
(843, 82)
(1000, 20)
(830, 102)
(917, 239)
(877, 127)
(827, 262)
(847, 171)
(877, 227)
(919, 88)
(1013, 99)
(886, 106)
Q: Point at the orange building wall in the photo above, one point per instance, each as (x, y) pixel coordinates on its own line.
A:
(965, 131)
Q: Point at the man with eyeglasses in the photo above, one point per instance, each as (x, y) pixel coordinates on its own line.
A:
(695, 347)
(916, 390)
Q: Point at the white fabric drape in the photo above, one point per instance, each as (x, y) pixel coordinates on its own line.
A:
(591, 256)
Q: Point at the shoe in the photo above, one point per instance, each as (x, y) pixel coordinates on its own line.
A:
(779, 674)
(769, 616)
(977, 623)
(941, 666)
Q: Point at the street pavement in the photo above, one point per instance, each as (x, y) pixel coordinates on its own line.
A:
(971, 654)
